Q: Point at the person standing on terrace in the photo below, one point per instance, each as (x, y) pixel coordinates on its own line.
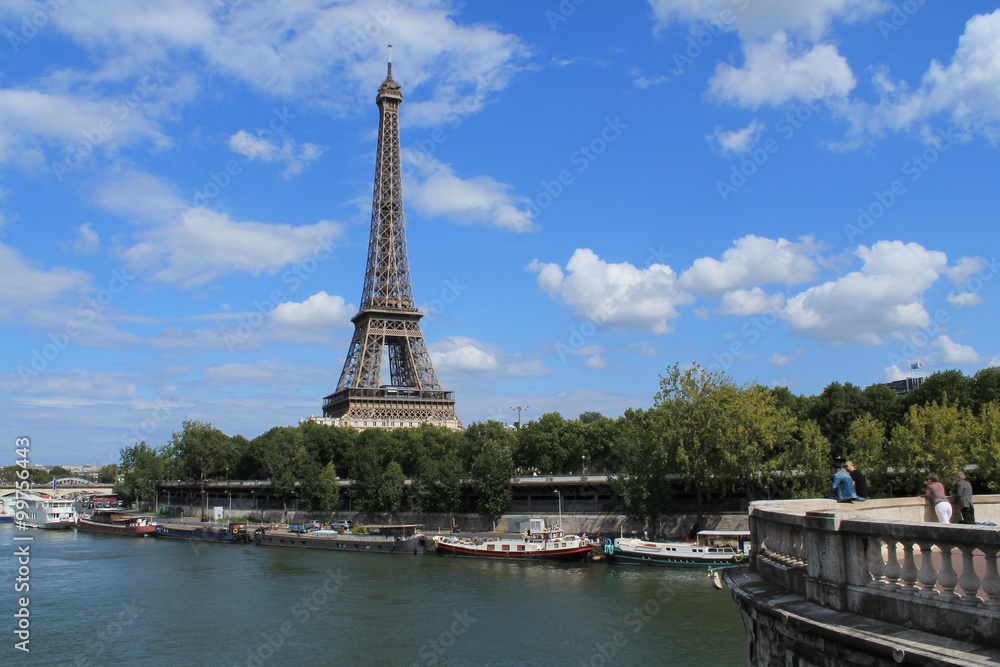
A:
(963, 499)
(935, 493)
(843, 486)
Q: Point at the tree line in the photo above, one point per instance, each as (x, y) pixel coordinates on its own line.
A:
(709, 435)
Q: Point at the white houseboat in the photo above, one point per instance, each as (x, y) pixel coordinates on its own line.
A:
(39, 511)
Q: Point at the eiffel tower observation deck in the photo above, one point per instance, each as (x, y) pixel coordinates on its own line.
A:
(387, 327)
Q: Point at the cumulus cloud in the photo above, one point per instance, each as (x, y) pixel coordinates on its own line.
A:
(88, 241)
(295, 157)
(965, 299)
(884, 296)
(201, 245)
(436, 191)
(614, 295)
(320, 311)
(456, 354)
(752, 261)
(741, 303)
(733, 142)
(955, 353)
(776, 72)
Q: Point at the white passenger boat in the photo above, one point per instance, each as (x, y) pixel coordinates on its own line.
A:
(39, 511)
(7, 509)
(712, 548)
(536, 543)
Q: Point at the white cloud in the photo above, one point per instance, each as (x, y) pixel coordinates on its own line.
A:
(614, 295)
(964, 269)
(885, 296)
(316, 51)
(741, 303)
(295, 157)
(201, 245)
(780, 359)
(753, 260)
(639, 80)
(320, 311)
(436, 191)
(88, 241)
(27, 288)
(594, 361)
(730, 142)
(760, 18)
(955, 353)
(965, 299)
(457, 354)
(776, 72)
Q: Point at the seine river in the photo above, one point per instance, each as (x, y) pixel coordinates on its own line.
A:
(105, 600)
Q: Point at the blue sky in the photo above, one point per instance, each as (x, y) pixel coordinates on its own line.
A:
(796, 193)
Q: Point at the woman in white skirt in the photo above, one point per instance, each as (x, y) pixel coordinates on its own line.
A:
(935, 491)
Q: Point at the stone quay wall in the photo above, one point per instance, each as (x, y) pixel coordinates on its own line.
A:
(884, 563)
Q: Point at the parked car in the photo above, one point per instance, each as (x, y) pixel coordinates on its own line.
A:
(342, 524)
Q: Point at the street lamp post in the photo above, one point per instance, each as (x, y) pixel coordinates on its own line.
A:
(518, 409)
(559, 493)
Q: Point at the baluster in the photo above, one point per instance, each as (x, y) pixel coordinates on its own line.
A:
(892, 566)
(782, 544)
(991, 583)
(928, 576)
(947, 577)
(909, 568)
(800, 548)
(969, 580)
(876, 569)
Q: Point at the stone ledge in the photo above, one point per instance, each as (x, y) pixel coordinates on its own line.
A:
(842, 636)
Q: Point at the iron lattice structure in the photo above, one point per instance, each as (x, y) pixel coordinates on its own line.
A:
(388, 322)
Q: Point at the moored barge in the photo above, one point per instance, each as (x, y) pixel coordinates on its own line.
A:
(117, 522)
(406, 539)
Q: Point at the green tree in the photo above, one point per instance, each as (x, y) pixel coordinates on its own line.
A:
(951, 387)
(320, 487)
(985, 388)
(550, 445)
(200, 452)
(932, 439)
(985, 450)
(391, 489)
(108, 474)
(867, 447)
(281, 457)
(140, 469)
(835, 409)
(804, 465)
(492, 470)
(645, 461)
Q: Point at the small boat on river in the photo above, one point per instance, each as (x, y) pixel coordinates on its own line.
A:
(712, 548)
(7, 509)
(117, 522)
(42, 511)
(538, 542)
(386, 539)
(204, 532)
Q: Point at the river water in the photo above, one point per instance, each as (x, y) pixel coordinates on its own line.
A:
(106, 600)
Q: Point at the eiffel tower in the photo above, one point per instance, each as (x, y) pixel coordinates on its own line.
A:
(388, 321)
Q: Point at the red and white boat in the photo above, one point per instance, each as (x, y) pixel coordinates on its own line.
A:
(536, 543)
(117, 522)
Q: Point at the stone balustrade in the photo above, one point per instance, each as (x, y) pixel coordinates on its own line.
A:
(885, 560)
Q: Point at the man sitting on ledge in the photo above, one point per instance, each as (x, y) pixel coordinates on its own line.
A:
(843, 486)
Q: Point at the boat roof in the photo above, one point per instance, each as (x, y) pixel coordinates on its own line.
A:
(723, 533)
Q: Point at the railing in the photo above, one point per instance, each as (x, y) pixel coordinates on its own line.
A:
(883, 560)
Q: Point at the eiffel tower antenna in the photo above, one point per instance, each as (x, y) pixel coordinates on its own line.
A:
(388, 323)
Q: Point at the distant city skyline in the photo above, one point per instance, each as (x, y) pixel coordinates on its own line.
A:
(794, 193)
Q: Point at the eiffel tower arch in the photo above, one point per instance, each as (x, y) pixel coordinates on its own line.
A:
(387, 326)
